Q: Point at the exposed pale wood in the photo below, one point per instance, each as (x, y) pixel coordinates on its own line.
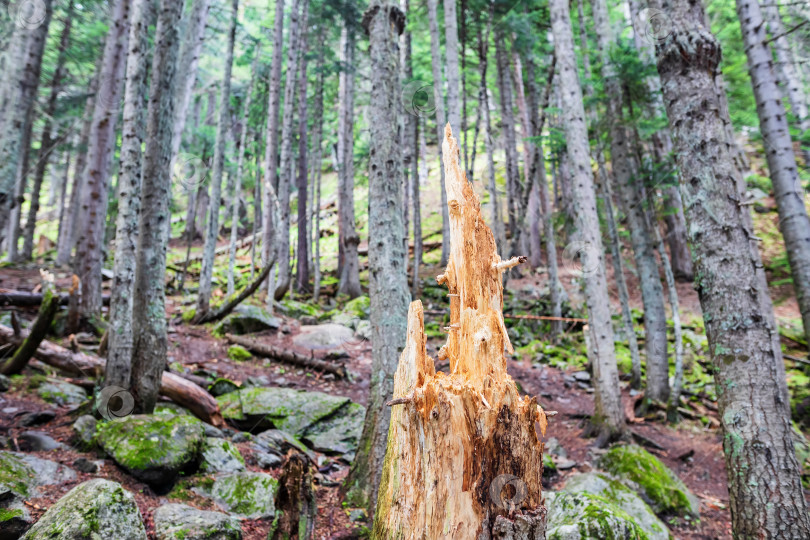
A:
(174, 387)
(456, 440)
(289, 357)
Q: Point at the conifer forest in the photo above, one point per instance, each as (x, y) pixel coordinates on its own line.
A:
(404, 269)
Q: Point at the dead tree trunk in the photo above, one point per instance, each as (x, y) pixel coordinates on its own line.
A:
(456, 441)
(295, 499)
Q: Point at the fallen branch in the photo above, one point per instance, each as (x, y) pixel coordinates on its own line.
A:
(289, 357)
(29, 345)
(174, 387)
(221, 250)
(231, 304)
(30, 299)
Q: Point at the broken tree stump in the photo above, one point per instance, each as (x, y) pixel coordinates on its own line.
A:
(463, 457)
(295, 500)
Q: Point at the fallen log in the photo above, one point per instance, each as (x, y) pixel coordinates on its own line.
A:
(183, 392)
(29, 345)
(289, 357)
(30, 299)
(223, 311)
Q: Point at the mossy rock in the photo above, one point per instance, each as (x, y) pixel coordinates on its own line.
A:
(258, 409)
(155, 449)
(275, 441)
(98, 509)
(222, 386)
(581, 516)
(246, 319)
(297, 309)
(61, 393)
(248, 495)
(179, 521)
(220, 456)
(171, 408)
(618, 494)
(338, 434)
(188, 315)
(237, 353)
(654, 482)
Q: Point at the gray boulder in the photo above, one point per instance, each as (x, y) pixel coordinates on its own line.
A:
(98, 509)
(60, 392)
(618, 494)
(574, 516)
(84, 431)
(173, 521)
(248, 495)
(278, 443)
(323, 336)
(38, 441)
(247, 319)
(219, 455)
(338, 434)
(154, 448)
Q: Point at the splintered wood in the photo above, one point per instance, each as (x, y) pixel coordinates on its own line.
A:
(463, 458)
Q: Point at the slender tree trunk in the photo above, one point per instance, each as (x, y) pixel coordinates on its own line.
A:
(509, 143)
(438, 101)
(298, 30)
(240, 168)
(187, 68)
(793, 220)
(95, 186)
(451, 67)
(119, 347)
(388, 283)
(765, 489)
(317, 165)
(348, 238)
(302, 255)
(67, 241)
(786, 69)
(62, 197)
(149, 310)
(608, 418)
(411, 140)
(25, 60)
(269, 248)
(47, 142)
(625, 175)
(212, 230)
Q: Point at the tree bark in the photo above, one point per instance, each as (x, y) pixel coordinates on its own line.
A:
(271, 147)
(317, 167)
(349, 265)
(388, 282)
(149, 311)
(119, 349)
(95, 185)
(743, 339)
(793, 220)
(456, 440)
(789, 75)
(625, 172)
(295, 500)
(212, 229)
(25, 63)
(298, 25)
(47, 141)
(411, 139)
(302, 253)
(451, 67)
(39, 328)
(438, 102)
(608, 419)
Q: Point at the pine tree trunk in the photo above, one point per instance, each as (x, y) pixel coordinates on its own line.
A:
(298, 26)
(61, 231)
(789, 75)
(456, 440)
(187, 68)
(269, 247)
(302, 253)
(67, 240)
(608, 417)
(625, 172)
(47, 142)
(25, 62)
(149, 310)
(534, 128)
(438, 102)
(388, 282)
(451, 67)
(212, 230)
(240, 169)
(793, 220)
(509, 143)
(93, 198)
(764, 481)
(317, 167)
(349, 265)
(411, 141)
(119, 347)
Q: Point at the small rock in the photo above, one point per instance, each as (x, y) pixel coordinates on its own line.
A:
(5, 383)
(97, 509)
(222, 386)
(173, 521)
(242, 436)
(85, 465)
(259, 381)
(219, 455)
(275, 441)
(554, 448)
(37, 441)
(84, 430)
(247, 319)
(583, 376)
(61, 393)
(358, 514)
(363, 330)
(212, 431)
(308, 320)
(248, 495)
(267, 460)
(565, 464)
(35, 418)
